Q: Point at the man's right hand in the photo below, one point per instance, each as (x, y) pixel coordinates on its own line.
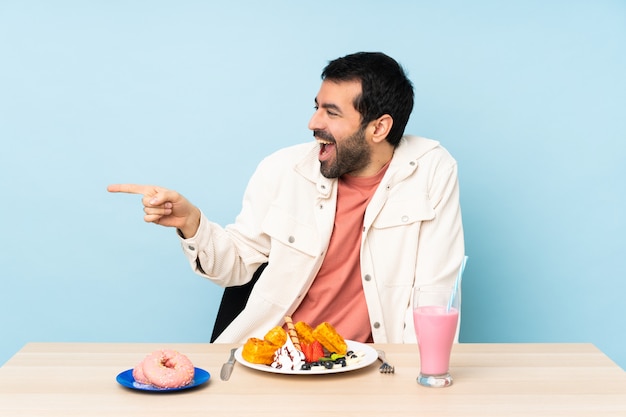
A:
(164, 207)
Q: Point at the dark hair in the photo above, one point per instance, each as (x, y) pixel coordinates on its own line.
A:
(385, 88)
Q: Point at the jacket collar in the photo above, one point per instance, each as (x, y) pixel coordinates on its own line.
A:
(406, 157)
(412, 148)
(309, 168)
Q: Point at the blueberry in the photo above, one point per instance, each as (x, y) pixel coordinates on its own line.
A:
(328, 365)
(305, 367)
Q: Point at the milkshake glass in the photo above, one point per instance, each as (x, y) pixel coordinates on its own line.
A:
(435, 317)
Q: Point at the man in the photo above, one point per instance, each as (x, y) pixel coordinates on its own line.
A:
(348, 224)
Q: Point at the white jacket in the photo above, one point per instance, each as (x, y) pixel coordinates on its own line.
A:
(412, 236)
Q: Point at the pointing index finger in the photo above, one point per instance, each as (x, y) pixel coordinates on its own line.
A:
(130, 188)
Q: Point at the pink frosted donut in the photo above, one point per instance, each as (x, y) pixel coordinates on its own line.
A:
(167, 369)
(138, 374)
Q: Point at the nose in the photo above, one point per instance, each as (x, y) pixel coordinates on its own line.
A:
(316, 121)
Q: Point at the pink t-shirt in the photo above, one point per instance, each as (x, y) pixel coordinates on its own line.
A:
(336, 296)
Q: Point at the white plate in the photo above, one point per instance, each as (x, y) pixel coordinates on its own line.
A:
(369, 357)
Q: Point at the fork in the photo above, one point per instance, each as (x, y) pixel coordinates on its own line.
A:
(385, 368)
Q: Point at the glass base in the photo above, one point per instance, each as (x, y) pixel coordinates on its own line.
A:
(435, 381)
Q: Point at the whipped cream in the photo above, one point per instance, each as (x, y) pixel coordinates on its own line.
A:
(288, 357)
(354, 358)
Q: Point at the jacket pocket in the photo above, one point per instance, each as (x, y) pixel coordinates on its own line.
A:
(405, 211)
(281, 226)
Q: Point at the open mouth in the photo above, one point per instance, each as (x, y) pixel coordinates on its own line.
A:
(326, 149)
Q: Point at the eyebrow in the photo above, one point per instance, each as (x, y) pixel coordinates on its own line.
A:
(330, 106)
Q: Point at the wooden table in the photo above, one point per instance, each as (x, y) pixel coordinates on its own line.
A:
(78, 379)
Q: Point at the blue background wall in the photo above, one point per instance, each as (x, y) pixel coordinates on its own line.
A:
(529, 96)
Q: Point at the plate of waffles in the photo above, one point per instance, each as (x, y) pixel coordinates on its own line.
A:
(359, 356)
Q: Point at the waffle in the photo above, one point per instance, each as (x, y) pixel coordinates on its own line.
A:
(261, 351)
(305, 332)
(332, 341)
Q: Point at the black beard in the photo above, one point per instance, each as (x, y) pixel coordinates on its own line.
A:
(352, 155)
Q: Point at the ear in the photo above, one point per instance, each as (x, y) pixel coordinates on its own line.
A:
(381, 126)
